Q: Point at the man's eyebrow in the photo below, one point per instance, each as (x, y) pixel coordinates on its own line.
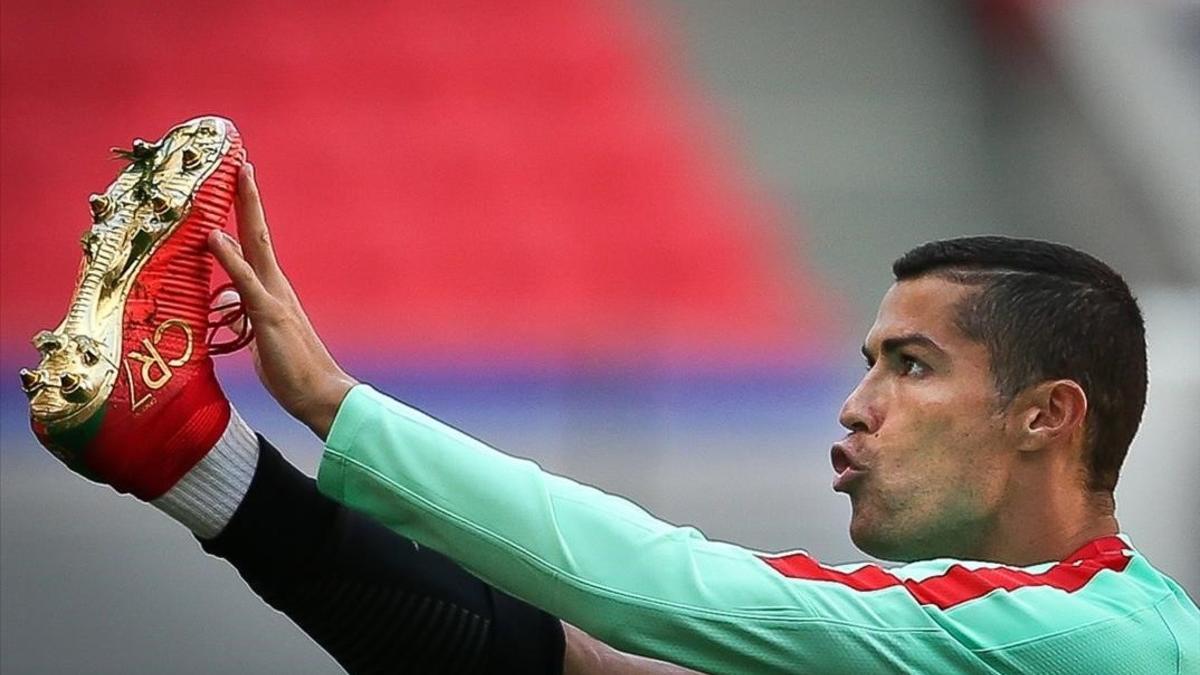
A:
(893, 344)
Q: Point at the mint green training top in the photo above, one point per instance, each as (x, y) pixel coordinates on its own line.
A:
(644, 586)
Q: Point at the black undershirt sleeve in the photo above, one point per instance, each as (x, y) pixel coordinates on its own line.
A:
(377, 602)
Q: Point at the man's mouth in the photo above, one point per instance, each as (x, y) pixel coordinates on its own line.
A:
(845, 466)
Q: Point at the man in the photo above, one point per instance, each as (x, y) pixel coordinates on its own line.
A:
(1005, 381)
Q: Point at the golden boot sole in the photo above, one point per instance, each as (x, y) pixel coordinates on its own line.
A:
(153, 195)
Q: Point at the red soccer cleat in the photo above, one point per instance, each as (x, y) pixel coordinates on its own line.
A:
(125, 391)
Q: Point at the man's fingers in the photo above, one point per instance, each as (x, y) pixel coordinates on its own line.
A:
(252, 225)
(244, 278)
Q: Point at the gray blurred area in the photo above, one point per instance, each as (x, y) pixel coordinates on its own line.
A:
(875, 126)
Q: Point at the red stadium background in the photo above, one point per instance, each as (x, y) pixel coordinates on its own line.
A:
(452, 186)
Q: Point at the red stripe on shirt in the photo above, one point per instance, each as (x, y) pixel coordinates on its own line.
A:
(959, 584)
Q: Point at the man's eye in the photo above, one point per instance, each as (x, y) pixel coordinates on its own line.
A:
(911, 366)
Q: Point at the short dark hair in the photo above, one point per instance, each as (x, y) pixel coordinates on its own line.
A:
(1048, 311)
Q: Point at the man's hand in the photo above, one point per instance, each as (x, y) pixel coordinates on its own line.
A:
(289, 357)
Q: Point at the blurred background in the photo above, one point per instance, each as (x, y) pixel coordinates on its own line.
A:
(638, 242)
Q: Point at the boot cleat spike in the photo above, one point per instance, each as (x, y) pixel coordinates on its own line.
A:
(73, 388)
(90, 351)
(102, 207)
(163, 211)
(47, 342)
(68, 383)
(190, 160)
(30, 381)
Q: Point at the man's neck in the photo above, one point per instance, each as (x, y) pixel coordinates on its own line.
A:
(1034, 531)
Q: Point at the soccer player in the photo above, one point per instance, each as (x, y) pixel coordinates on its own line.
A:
(1005, 381)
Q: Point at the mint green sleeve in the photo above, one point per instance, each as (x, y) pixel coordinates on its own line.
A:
(603, 564)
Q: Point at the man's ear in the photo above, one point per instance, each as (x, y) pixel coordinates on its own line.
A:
(1050, 411)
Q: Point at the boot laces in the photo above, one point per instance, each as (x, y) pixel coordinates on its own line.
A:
(231, 316)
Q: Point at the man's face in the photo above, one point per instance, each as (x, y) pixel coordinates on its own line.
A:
(929, 449)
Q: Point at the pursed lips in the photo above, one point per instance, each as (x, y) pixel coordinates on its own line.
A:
(846, 465)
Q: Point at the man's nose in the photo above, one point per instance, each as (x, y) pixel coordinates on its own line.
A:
(859, 413)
